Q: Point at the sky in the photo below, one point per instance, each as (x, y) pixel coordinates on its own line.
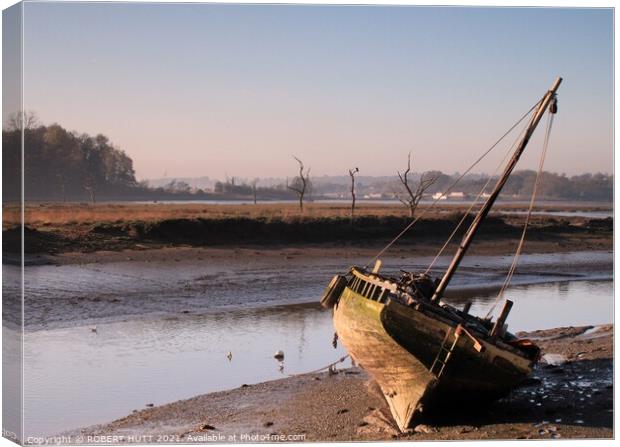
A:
(192, 90)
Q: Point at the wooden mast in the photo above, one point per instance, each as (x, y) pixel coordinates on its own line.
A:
(471, 232)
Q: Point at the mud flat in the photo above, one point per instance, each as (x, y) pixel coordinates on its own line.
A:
(569, 395)
(93, 288)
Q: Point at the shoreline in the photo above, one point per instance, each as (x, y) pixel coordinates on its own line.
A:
(573, 399)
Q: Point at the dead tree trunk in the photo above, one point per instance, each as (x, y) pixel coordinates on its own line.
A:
(89, 186)
(63, 187)
(300, 184)
(352, 173)
(254, 183)
(413, 197)
(91, 193)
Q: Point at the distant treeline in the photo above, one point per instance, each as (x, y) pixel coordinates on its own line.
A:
(595, 187)
(60, 165)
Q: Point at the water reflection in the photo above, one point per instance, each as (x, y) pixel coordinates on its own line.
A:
(11, 354)
(543, 306)
(75, 377)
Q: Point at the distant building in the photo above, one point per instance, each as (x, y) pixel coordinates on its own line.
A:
(457, 195)
(333, 195)
(373, 195)
(439, 196)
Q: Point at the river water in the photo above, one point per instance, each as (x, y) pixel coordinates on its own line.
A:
(102, 341)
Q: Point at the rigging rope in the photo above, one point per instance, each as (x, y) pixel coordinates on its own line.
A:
(515, 260)
(399, 235)
(441, 250)
(340, 360)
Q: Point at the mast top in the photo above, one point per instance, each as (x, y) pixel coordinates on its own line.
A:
(543, 104)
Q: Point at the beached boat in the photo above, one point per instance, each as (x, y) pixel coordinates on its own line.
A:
(424, 353)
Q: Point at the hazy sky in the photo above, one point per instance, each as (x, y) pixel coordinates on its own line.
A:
(191, 90)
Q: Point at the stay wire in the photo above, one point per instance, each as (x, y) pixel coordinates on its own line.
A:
(474, 203)
(412, 223)
(537, 181)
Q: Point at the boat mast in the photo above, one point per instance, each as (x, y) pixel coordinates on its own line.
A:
(471, 232)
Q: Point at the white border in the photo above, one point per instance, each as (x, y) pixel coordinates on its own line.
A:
(446, 3)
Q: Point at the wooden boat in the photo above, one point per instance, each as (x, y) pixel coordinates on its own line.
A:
(424, 353)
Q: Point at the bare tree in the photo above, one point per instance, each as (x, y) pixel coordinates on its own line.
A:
(63, 183)
(254, 183)
(90, 187)
(300, 183)
(352, 173)
(413, 197)
(15, 120)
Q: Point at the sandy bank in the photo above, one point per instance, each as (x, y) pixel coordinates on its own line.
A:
(568, 396)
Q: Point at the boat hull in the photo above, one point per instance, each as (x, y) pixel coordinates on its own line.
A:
(397, 345)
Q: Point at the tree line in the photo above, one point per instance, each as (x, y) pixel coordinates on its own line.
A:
(61, 165)
(593, 187)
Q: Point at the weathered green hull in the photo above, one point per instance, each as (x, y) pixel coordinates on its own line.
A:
(397, 344)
